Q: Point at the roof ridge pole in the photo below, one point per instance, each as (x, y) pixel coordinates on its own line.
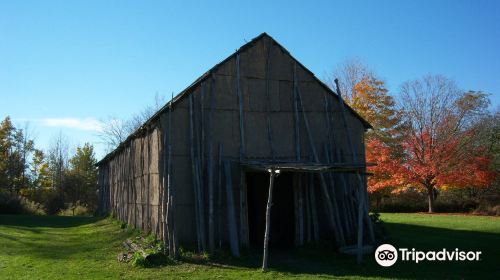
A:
(362, 208)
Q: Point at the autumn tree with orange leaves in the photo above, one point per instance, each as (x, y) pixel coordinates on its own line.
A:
(368, 95)
(439, 144)
(429, 140)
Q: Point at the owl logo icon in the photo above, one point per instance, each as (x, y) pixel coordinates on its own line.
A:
(386, 255)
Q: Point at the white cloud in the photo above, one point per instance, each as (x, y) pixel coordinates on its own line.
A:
(89, 124)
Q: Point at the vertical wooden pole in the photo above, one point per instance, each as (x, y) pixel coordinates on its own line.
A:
(361, 199)
(142, 185)
(307, 207)
(199, 161)
(295, 187)
(244, 238)
(171, 193)
(242, 185)
(359, 256)
(346, 203)
(339, 210)
(211, 227)
(164, 192)
(219, 202)
(202, 126)
(194, 170)
(296, 112)
(339, 237)
(268, 98)
(272, 174)
(148, 184)
(231, 218)
(300, 204)
(313, 208)
(368, 221)
(240, 106)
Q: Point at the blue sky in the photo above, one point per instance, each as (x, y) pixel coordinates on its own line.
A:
(66, 64)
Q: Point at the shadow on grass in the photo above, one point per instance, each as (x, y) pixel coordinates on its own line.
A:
(46, 221)
(52, 237)
(316, 260)
(319, 261)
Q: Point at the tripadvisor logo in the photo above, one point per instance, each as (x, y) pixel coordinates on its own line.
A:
(387, 255)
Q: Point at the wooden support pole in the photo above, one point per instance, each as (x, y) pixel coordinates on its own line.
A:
(340, 213)
(272, 175)
(339, 210)
(231, 217)
(359, 255)
(331, 212)
(368, 221)
(148, 183)
(211, 177)
(171, 193)
(335, 156)
(268, 99)
(314, 212)
(200, 171)
(164, 195)
(295, 186)
(202, 128)
(194, 169)
(307, 200)
(172, 237)
(240, 106)
(301, 210)
(242, 186)
(142, 185)
(211, 226)
(244, 237)
(362, 203)
(296, 112)
(219, 202)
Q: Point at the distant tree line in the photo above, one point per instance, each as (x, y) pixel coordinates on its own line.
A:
(51, 180)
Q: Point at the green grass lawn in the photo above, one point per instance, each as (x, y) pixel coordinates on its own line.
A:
(50, 247)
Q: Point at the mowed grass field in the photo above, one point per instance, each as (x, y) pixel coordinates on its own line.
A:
(51, 247)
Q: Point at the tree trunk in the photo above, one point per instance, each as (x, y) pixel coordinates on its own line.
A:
(431, 198)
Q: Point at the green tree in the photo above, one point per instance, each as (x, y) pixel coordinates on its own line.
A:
(15, 150)
(80, 183)
(6, 147)
(40, 171)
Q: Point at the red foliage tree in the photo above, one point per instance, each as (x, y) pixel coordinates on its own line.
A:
(438, 146)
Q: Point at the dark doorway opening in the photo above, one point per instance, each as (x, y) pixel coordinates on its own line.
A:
(282, 212)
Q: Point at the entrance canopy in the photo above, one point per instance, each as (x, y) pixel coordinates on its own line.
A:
(312, 167)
